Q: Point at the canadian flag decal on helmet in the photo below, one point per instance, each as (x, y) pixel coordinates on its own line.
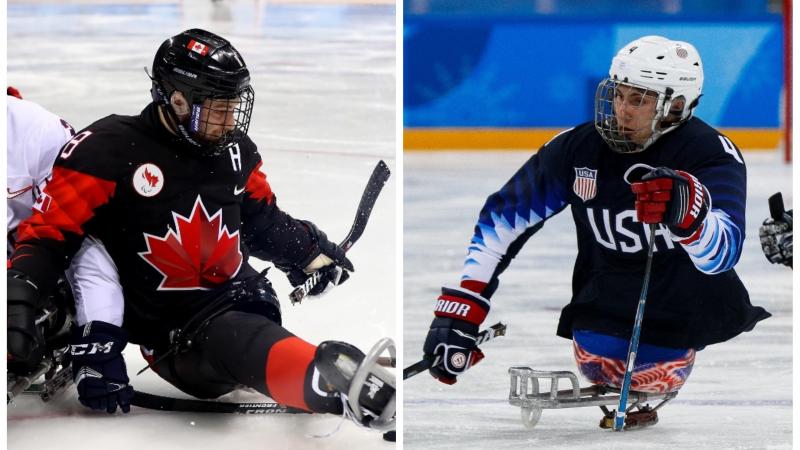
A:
(199, 253)
(198, 47)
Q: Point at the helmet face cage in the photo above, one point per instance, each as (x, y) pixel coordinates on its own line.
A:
(619, 134)
(220, 120)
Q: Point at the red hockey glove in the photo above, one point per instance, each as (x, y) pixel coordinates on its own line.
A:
(674, 198)
(452, 335)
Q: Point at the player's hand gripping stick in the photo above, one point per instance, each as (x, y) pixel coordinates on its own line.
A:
(496, 330)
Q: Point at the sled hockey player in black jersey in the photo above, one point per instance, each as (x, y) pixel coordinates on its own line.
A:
(645, 159)
(178, 197)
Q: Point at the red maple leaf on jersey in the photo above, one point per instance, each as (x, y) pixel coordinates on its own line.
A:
(152, 180)
(202, 254)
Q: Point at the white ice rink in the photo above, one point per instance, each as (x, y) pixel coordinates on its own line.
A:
(324, 77)
(739, 394)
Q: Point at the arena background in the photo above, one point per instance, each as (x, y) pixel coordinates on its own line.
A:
(512, 74)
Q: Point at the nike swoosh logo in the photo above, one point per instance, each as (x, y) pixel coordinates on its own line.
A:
(237, 191)
(19, 192)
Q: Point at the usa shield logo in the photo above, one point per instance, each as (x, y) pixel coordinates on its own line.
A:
(585, 185)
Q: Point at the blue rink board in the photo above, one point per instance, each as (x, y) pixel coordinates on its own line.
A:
(542, 72)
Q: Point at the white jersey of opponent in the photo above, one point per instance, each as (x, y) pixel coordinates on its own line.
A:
(35, 137)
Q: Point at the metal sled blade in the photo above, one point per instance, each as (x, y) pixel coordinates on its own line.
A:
(526, 393)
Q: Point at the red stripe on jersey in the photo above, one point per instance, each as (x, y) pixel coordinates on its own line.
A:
(257, 186)
(474, 286)
(460, 308)
(73, 198)
(287, 363)
(695, 236)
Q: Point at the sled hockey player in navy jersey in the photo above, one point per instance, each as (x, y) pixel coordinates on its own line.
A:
(178, 197)
(645, 159)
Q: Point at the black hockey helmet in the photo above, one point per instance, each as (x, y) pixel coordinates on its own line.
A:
(209, 72)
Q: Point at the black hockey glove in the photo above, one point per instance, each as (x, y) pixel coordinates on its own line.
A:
(776, 239)
(674, 198)
(451, 339)
(326, 257)
(98, 367)
(25, 340)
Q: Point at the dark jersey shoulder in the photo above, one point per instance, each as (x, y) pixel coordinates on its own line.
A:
(696, 145)
(103, 148)
(557, 158)
(563, 146)
(109, 147)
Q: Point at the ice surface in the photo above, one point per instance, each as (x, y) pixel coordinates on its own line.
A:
(738, 395)
(324, 77)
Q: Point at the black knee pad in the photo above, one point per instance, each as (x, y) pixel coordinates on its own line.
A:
(260, 298)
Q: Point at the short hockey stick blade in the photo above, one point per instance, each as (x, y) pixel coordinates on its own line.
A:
(776, 208)
(374, 186)
(161, 403)
(380, 175)
(496, 330)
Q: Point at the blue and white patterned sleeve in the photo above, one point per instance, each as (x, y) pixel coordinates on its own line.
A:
(511, 215)
(717, 246)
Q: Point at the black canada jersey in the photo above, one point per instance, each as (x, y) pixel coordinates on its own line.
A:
(695, 297)
(175, 223)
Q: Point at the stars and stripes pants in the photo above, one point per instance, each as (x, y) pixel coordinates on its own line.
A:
(601, 360)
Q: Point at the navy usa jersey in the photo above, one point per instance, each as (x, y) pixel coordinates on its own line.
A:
(695, 297)
(177, 225)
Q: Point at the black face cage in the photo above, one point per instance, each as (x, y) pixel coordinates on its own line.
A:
(606, 123)
(226, 121)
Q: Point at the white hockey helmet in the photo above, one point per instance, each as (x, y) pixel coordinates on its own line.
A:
(672, 70)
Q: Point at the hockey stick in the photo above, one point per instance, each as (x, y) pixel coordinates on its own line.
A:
(374, 186)
(496, 330)
(161, 403)
(633, 348)
(776, 208)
